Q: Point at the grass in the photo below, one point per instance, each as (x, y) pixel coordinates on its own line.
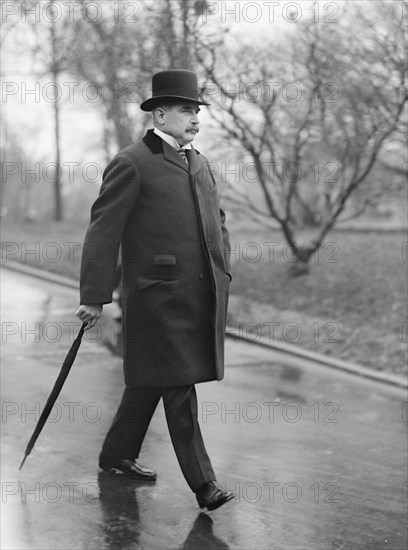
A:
(351, 306)
(55, 247)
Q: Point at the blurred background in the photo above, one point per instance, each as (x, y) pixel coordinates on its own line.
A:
(306, 135)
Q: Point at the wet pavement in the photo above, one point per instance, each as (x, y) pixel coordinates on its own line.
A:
(317, 458)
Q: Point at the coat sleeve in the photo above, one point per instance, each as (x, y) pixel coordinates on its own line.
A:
(116, 201)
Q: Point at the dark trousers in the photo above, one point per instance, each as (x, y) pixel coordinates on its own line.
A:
(125, 437)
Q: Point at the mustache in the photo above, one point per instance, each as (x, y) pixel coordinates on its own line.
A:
(192, 129)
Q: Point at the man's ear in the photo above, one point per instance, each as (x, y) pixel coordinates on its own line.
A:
(159, 114)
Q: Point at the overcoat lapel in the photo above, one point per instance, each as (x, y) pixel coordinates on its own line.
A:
(157, 146)
(154, 142)
(171, 155)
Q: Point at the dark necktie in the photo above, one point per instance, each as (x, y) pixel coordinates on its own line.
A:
(182, 153)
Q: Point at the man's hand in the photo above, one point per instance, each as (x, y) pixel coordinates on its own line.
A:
(89, 314)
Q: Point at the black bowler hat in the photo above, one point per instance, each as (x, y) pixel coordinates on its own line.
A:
(175, 84)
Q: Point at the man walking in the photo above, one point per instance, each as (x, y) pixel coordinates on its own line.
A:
(159, 201)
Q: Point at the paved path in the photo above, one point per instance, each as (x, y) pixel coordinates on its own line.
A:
(317, 457)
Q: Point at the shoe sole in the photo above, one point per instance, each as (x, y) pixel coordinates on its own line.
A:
(116, 471)
(217, 504)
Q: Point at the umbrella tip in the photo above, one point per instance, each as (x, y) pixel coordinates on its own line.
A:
(22, 462)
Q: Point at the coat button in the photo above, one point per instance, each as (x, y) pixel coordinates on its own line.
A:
(201, 276)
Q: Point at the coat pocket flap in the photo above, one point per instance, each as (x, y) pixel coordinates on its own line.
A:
(164, 259)
(146, 282)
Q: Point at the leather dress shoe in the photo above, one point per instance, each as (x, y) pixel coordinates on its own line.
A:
(129, 468)
(211, 496)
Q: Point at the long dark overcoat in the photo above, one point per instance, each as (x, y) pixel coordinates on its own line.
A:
(175, 270)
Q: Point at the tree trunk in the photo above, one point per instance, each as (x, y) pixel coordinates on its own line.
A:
(299, 268)
(58, 212)
(116, 112)
(301, 265)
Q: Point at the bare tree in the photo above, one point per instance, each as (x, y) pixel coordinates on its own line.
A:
(107, 56)
(120, 55)
(312, 115)
(51, 47)
(56, 66)
(177, 23)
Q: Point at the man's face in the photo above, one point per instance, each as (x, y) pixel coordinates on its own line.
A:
(179, 120)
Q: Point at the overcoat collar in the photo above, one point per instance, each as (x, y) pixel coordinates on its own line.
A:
(158, 146)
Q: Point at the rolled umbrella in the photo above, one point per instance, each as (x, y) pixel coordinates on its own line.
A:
(66, 367)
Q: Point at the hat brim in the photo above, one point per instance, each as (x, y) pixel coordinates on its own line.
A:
(149, 104)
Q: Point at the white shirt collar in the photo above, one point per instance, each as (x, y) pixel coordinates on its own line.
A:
(171, 140)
